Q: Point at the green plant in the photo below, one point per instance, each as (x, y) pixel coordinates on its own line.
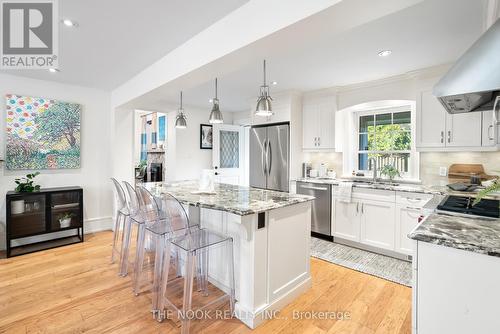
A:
(66, 215)
(487, 191)
(142, 164)
(390, 171)
(25, 184)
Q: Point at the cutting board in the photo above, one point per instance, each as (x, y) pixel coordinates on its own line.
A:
(464, 171)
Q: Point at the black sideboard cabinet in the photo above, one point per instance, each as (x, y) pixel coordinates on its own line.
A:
(42, 214)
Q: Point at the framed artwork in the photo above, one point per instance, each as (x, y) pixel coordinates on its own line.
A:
(41, 133)
(206, 137)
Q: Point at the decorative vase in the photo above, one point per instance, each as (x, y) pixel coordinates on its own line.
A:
(17, 207)
(64, 222)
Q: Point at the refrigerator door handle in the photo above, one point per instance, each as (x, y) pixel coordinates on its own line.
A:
(264, 157)
(270, 154)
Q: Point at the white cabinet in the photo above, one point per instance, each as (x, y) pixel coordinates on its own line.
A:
(406, 220)
(490, 129)
(437, 130)
(463, 130)
(318, 122)
(431, 122)
(377, 224)
(346, 223)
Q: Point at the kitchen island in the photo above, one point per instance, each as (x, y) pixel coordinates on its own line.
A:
(271, 232)
(456, 270)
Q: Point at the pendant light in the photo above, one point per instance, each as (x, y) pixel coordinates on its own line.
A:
(215, 114)
(180, 119)
(263, 107)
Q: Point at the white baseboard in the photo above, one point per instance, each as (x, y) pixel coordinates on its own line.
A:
(89, 226)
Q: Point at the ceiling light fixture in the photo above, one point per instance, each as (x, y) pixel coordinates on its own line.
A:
(53, 70)
(215, 114)
(180, 119)
(274, 83)
(384, 53)
(264, 107)
(69, 23)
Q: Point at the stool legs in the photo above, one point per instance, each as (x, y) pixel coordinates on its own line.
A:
(139, 257)
(125, 246)
(188, 292)
(116, 232)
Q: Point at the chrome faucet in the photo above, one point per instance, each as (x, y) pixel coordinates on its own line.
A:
(373, 161)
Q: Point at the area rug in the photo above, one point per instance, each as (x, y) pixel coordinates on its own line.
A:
(382, 266)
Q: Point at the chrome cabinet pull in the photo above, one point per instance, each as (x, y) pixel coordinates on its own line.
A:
(319, 141)
(489, 136)
(270, 154)
(442, 137)
(357, 207)
(264, 157)
(449, 136)
(362, 208)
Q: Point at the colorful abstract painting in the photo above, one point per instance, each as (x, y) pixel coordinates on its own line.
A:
(42, 133)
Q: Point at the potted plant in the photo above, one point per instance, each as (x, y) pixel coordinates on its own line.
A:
(65, 219)
(24, 185)
(390, 171)
(494, 187)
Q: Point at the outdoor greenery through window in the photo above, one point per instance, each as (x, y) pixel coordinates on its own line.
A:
(387, 138)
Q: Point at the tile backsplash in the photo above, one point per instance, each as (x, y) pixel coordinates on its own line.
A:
(429, 163)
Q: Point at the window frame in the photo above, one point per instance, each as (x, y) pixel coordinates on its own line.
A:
(413, 172)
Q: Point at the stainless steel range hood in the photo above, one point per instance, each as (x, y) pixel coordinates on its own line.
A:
(473, 83)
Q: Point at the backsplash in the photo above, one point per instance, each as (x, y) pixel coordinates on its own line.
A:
(429, 163)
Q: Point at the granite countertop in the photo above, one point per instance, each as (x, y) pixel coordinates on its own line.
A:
(405, 187)
(239, 200)
(467, 233)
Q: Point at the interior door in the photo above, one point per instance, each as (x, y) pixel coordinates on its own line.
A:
(257, 157)
(278, 156)
(227, 153)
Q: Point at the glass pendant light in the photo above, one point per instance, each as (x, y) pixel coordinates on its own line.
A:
(180, 119)
(263, 107)
(215, 115)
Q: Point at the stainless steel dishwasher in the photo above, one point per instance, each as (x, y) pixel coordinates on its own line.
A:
(321, 210)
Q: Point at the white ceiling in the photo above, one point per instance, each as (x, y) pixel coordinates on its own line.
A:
(430, 33)
(116, 39)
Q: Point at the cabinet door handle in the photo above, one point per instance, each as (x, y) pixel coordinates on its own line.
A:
(319, 141)
(362, 208)
(357, 207)
(490, 137)
(449, 136)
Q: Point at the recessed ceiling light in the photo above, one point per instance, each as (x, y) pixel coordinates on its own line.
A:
(53, 70)
(384, 53)
(210, 101)
(274, 83)
(69, 23)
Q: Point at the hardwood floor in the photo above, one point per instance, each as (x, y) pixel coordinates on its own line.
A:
(75, 289)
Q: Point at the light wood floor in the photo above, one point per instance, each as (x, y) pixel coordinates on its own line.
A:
(74, 289)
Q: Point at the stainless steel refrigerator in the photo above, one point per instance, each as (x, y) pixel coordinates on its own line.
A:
(270, 156)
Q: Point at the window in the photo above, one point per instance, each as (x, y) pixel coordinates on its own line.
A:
(387, 138)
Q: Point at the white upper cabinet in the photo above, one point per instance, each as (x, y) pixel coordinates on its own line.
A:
(463, 130)
(318, 123)
(431, 122)
(438, 130)
(490, 130)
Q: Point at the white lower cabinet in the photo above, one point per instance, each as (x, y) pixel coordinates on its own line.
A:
(378, 218)
(347, 220)
(406, 220)
(377, 224)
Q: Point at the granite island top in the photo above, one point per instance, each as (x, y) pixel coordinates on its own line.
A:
(235, 199)
(472, 234)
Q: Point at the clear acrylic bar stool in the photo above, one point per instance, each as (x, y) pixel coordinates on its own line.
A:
(135, 217)
(194, 245)
(122, 214)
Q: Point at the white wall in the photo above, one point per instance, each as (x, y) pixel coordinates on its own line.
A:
(95, 169)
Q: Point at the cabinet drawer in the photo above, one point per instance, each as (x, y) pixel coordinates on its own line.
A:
(412, 199)
(373, 194)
